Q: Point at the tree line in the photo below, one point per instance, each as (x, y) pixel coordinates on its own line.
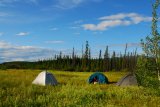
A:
(104, 62)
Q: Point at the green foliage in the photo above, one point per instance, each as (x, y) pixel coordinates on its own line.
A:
(141, 69)
(146, 72)
(151, 45)
(73, 91)
(149, 67)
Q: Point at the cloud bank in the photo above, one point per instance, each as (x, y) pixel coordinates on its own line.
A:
(22, 34)
(10, 52)
(121, 19)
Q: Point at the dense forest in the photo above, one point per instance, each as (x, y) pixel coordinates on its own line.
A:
(104, 62)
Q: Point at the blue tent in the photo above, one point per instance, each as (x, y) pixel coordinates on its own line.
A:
(98, 77)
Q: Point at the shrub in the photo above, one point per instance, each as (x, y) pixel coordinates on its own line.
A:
(146, 72)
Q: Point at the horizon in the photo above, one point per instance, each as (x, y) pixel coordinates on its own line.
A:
(35, 29)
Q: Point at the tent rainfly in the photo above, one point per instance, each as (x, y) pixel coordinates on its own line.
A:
(45, 78)
(127, 80)
(98, 78)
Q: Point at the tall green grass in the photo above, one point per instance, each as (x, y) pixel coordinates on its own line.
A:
(73, 90)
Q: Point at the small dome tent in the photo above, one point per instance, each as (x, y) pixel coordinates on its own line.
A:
(98, 78)
(45, 78)
(127, 80)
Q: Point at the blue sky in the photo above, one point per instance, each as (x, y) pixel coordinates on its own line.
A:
(35, 29)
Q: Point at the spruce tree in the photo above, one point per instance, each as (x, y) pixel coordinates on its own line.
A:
(86, 54)
(99, 60)
(106, 60)
(73, 58)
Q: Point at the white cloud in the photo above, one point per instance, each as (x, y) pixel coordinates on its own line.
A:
(10, 52)
(105, 24)
(118, 16)
(121, 19)
(54, 42)
(138, 19)
(22, 34)
(4, 45)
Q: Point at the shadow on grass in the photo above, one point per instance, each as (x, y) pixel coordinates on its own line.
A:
(113, 82)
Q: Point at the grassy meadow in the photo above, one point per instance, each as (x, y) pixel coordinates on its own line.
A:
(73, 90)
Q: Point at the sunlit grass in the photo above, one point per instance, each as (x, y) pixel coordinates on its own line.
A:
(73, 90)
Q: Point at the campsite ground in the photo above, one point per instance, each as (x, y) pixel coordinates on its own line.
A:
(73, 90)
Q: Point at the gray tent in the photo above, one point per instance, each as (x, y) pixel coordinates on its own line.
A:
(127, 80)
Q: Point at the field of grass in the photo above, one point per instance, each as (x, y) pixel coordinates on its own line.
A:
(73, 90)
